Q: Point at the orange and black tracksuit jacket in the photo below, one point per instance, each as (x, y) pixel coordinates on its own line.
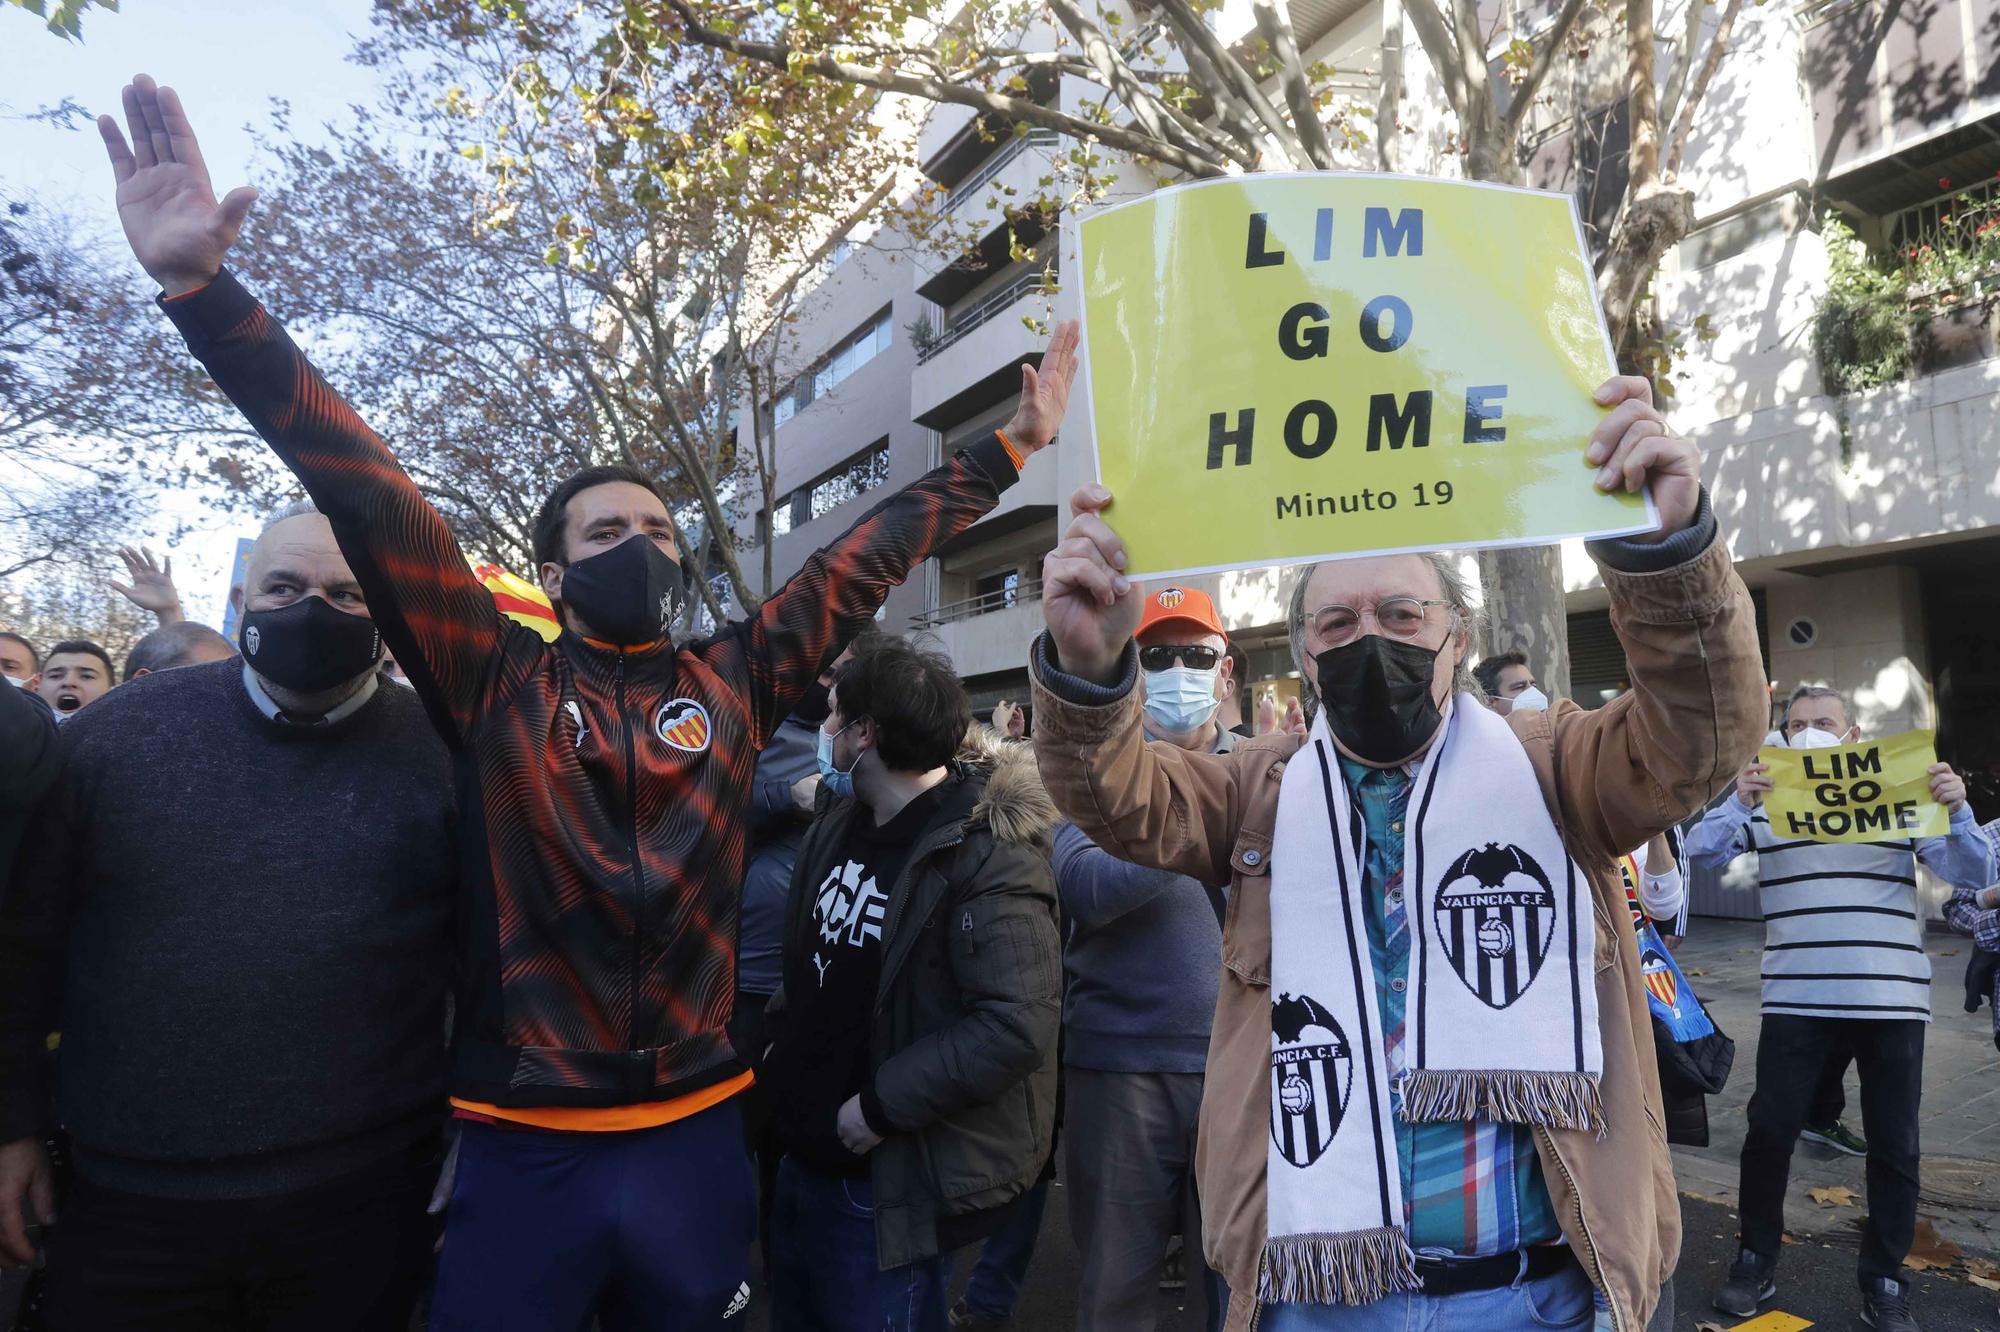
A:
(605, 793)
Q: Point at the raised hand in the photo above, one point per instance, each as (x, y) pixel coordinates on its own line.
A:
(1947, 787)
(177, 230)
(1752, 783)
(1632, 448)
(152, 587)
(1091, 608)
(1045, 392)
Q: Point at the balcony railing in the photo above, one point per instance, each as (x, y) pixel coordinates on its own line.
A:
(994, 165)
(984, 309)
(1950, 219)
(1024, 593)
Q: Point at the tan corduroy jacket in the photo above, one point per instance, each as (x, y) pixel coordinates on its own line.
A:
(1612, 779)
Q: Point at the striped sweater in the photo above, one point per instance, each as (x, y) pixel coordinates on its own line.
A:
(1842, 934)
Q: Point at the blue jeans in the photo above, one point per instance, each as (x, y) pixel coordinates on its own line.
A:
(1003, 1262)
(823, 1272)
(1562, 1302)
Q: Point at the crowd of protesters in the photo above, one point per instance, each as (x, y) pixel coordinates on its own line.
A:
(544, 985)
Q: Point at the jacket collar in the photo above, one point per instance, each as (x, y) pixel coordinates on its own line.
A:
(601, 662)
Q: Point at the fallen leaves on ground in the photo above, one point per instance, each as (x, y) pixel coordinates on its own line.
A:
(1694, 971)
(1983, 1272)
(1834, 1195)
(1930, 1251)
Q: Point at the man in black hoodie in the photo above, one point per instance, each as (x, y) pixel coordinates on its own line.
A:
(913, 1068)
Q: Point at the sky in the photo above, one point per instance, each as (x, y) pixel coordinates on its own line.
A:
(227, 59)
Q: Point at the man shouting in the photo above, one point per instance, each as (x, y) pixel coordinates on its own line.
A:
(606, 781)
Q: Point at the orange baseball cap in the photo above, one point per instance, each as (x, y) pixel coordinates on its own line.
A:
(1173, 605)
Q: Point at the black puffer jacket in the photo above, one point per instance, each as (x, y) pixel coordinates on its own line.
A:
(969, 1003)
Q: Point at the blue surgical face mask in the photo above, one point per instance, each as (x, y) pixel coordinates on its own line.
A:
(830, 775)
(1180, 699)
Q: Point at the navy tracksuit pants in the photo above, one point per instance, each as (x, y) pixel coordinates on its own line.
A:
(645, 1231)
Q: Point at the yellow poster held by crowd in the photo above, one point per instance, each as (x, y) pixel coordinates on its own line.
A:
(1873, 791)
(1286, 367)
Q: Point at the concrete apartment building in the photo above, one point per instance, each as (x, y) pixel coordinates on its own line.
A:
(1868, 525)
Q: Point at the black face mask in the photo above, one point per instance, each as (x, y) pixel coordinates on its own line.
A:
(1377, 694)
(629, 595)
(309, 646)
(814, 705)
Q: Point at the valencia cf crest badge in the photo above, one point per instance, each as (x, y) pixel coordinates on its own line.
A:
(1496, 915)
(1312, 1071)
(683, 723)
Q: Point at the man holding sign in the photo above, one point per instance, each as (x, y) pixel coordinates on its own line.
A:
(1432, 1058)
(1844, 967)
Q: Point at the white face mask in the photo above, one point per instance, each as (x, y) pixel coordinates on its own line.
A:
(1814, 738)
(1531, 699)
(18, 683)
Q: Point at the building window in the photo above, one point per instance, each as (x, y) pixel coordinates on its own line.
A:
(855, 351)
(998, 591)
(850, 481)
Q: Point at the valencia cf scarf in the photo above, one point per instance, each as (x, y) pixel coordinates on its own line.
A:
(1501, 1022)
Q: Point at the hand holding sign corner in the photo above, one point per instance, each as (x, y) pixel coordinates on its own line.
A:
(1091, 607)
(1632, 449)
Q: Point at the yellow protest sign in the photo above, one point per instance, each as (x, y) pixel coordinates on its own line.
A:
(1873, 791)
(1290, 366)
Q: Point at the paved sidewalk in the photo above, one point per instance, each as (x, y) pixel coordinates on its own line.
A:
(1961, 1109)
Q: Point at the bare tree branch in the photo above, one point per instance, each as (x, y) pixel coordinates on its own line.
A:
(1435, 36)
(1278, 139)
(1684, 125)
(1277, 30)
(1014, 108)
(1389, 104)
(1643, 107)
(1550, 45)
(1111, 70)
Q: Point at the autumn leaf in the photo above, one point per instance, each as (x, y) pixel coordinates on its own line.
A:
(1931, 1251)
(1835, 1195)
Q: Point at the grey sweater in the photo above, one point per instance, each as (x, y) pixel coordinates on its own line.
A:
(1142, 957)
(241, 928)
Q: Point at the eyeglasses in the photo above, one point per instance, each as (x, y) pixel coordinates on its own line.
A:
(1398, 617)
(1162, 656)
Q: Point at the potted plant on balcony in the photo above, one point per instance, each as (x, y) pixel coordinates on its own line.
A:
(1862, 332)
(1954, 286)
(923, 333)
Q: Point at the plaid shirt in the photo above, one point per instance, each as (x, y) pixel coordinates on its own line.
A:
(1469, 1189)
(1964, 914)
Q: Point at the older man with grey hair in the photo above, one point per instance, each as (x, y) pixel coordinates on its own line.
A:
(1845, 977)
(1432, 1058)
(236, 904)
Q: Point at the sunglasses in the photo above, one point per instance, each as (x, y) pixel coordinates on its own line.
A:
(1162, 656)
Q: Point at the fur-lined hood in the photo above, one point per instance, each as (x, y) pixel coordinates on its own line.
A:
(1015, 805)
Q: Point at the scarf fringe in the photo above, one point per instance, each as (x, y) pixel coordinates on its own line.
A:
(1551, 1100)
(1358, 1267)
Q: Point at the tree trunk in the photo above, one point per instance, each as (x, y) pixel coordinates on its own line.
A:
(1525, 611)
